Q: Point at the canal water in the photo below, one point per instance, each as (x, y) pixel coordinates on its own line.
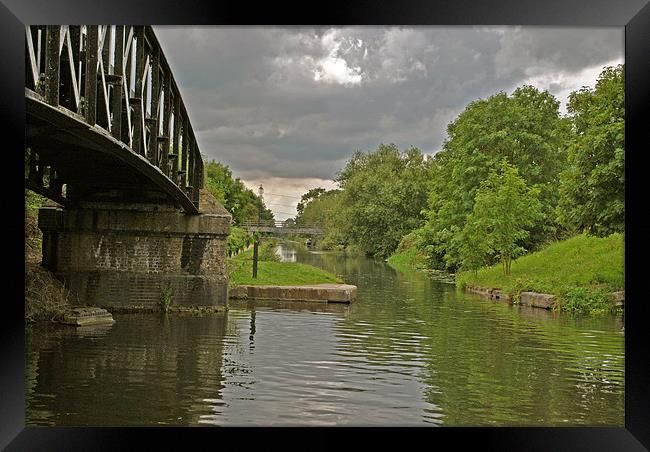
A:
(410, 351)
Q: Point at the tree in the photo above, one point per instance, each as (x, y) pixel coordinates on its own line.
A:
(312, 194)
(505, 210)
(383, 194)
(593, 187)
(526, 129)
(475, 247)
(324, 211)
(240, 201)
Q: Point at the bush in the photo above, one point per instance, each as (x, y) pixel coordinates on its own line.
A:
(45, 296)
(166, 298)
(585, 300)
(267, 251)
(238, 240)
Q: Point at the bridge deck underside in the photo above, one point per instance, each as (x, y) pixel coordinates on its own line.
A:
(92, 164)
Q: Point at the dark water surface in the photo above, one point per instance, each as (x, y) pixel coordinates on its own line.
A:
(410, 351)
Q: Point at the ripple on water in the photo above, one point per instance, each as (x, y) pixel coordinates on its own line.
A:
(410, 351)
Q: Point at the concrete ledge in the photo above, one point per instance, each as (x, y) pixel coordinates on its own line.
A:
(87, 315)
(490, 294)
(537, 300)
(618, 299)
(324, 293)
(149, 308)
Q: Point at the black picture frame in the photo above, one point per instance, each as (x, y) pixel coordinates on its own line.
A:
(634, 15)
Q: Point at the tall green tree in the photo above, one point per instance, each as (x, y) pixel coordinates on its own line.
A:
(383, 194)
(312, 194)
(324, 210)
(593, 187)
(240, 201)
(505, 210)
(524, 128)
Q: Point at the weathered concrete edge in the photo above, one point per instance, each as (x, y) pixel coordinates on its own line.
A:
(132, 222)
(173, 309)
(534, 299)
(326, 293)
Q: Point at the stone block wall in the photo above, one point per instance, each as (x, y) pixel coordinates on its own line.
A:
(127, 258)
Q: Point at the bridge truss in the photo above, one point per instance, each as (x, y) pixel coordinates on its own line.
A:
(112, 87)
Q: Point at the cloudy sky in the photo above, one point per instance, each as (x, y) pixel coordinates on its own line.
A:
(286, 107)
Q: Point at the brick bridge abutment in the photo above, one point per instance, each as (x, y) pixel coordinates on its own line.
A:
(128, 257)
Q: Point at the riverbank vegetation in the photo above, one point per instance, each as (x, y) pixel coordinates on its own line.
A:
(580, 272)
(46, 299)
(381, 199)
(513, 177)
(239, 201)
(270, 271)
(33, 235)
(45, 296)
(408, 256)
(238, 240)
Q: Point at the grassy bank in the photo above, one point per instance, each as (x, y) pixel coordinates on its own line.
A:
(272, 272)
(407, 256)
(580, 272)
(407, 260)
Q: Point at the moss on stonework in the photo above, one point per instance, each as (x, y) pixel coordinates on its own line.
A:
(171, 309)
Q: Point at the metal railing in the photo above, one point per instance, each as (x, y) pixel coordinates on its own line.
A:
(117, 77)
(278, 224)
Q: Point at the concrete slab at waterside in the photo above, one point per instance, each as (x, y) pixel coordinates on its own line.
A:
(538, 300)
(87, 315)
(325, 293)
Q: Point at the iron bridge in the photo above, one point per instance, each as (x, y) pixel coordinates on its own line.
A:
(282, 228)
(106, 120)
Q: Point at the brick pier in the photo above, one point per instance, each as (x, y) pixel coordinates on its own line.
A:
(116, 256)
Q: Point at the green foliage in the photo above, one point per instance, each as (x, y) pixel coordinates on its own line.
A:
(383, 194)
(592, 187)
(33, 202)
(238, 240)
(166, 298)
(584, 300)
(408, 255)
(312, 194)
(275, 273)
(592, 263)
(240, 201)
(504, 211)
(526, 130)
(267, 252)
(324, 210)
(33, 235)
(281, 274)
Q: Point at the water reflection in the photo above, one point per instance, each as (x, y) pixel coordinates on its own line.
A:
(144, 370)
(287, 251)
(410, 351)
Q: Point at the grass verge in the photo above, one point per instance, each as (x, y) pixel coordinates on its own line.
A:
(581, 272)
(272, 272)
(408, 258)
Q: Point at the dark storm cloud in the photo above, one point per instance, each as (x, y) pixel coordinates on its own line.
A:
(295, 102)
